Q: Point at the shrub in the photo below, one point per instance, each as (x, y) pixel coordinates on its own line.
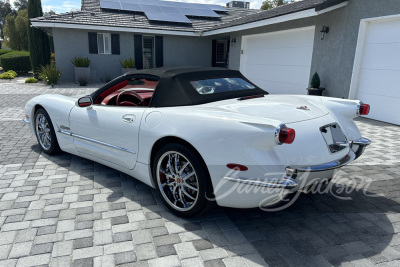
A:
(315, 81)
(50, 74)
(31, 80)
(53, 58)
(79, 62)
(18, 61)
(8, 75)
(5, 51)
(83, 80)
(128, 63)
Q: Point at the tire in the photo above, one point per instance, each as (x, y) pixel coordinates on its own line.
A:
(177, 185)
(45, 133)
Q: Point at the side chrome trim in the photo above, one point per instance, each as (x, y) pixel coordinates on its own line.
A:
(97, 142)
(285, 183)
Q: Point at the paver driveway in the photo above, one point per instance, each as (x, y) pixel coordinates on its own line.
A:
(66, 210)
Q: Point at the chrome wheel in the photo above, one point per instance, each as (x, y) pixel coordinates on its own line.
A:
(177, 181)
(43, 131)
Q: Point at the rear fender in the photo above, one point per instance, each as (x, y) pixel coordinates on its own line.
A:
(344, 111)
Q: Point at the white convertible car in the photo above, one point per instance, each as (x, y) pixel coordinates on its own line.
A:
(202, 134)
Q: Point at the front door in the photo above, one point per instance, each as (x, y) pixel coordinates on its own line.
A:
(109, 133)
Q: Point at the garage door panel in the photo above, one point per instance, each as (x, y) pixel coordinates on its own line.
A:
(296, 38)
(380, 82)
(277, 87)
(383, 32)
(281, 56)
(287, 74)
(382, 107)
(382, 56)
(280, 61)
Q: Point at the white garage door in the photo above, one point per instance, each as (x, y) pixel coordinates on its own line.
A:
(279, 62)
(379, 80)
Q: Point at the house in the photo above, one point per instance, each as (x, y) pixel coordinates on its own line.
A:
(352, 44)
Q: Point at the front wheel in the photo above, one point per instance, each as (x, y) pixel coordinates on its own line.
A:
(181, 179)
(45, 133)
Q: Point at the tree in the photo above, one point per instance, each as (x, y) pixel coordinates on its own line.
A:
(5, 9)
(269, 4)
(39, 46)
(16, 31)
(21, 4)
(49, 13)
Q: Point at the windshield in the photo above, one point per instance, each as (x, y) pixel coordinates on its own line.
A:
(220, 85)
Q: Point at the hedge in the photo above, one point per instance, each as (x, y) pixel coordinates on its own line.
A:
(18, 61)
(5, 51)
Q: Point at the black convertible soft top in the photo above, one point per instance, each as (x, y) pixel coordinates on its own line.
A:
(175, 89)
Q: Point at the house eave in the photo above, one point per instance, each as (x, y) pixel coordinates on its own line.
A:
(43, 25)
(284, 18)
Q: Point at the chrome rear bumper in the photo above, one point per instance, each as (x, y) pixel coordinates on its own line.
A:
(288, 181)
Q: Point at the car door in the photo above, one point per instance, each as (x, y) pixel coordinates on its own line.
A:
(109, 133)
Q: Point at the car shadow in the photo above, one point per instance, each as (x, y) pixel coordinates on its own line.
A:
(320, 229)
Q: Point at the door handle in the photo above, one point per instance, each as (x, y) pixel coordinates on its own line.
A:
(128, 118)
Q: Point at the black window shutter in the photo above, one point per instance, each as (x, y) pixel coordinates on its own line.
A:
(214, 53)
(138, 51)
(93, 49)
(159, 52)
(115, 50)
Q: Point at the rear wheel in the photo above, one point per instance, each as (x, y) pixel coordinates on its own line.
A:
(181, 179)
(45, 133)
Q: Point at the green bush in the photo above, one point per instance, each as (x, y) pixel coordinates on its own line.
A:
(18, 61)
(50, 74)
(79, 62)
(8, 75)
(31, 80)
(128, 63)
(5, 51)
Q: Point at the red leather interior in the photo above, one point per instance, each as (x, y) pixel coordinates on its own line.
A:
(109, 91)
(127, 103)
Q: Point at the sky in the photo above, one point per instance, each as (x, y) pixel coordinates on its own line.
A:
(60, 6)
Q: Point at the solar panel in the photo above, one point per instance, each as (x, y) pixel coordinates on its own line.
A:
(218, 8)
(110, 5)
(159, 16)
(199, 12)
(170, 10)
(148, 2)
(131, 7)
(164, 10)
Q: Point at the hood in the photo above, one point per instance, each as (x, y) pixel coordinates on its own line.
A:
(284, 108)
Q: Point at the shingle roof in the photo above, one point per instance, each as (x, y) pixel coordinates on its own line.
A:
(282, 10)
(92, 14)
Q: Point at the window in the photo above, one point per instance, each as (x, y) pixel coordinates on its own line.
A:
(221, 52)
(221, 85)
(104, 43)
(148, 52)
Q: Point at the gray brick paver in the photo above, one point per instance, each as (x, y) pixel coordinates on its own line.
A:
(50, 204)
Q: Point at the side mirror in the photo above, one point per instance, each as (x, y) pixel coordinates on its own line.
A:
(85, 101)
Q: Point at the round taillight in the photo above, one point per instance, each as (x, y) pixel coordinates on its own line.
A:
(284, 135)
(364, 109)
